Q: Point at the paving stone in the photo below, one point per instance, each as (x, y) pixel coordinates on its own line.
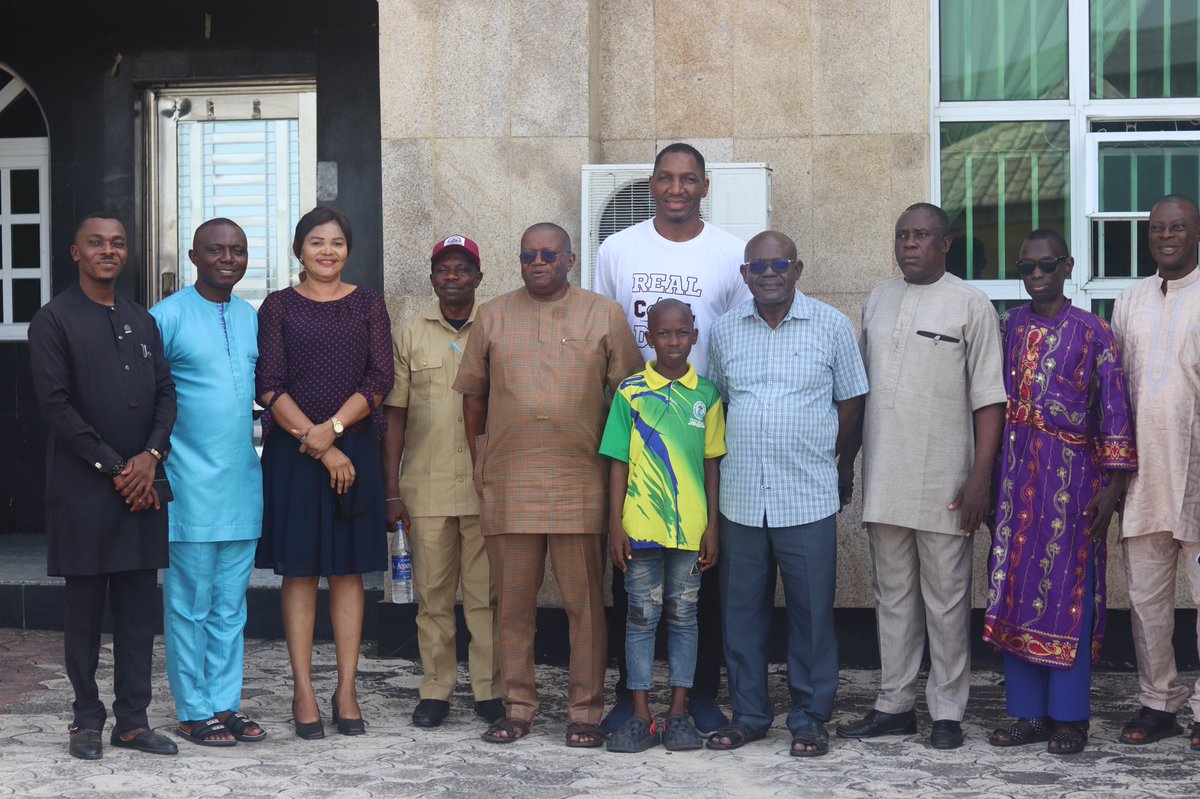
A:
(396, 759)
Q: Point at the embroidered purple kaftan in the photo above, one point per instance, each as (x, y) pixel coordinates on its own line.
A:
(1068, 420)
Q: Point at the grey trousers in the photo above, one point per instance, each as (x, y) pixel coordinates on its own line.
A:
(922, 584)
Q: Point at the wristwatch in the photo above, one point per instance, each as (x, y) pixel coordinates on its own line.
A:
(338, 427)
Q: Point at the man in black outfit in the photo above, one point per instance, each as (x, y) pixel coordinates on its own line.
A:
(105, 391)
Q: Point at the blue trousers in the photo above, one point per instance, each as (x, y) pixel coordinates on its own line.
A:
(660, 583)
(1032, 690)
(204, 616)
(806, 557)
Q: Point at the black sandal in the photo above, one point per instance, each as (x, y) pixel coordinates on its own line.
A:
(1033, 730)
(1153, 724)
(1071, 736)
(1194, 735)
(813, 734)
(202, 731)
(738, 734)
(237, 722)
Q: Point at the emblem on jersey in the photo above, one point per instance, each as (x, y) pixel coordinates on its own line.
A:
(698, 412)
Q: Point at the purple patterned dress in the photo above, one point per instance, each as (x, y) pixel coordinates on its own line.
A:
(1068, 420)
(320, 354)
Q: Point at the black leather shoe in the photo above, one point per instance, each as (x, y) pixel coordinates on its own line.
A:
(147, 740)
(490, 710)
(430, 713)
(878, 723)
(946, 734)
(85, 744)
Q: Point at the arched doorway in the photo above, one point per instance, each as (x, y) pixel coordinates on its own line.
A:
(24, 206)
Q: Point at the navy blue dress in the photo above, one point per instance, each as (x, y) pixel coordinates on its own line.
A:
(320, 354)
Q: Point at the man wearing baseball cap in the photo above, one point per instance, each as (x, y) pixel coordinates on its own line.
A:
(434, 495)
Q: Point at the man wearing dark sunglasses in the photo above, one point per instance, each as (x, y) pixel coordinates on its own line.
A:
(1067, 450)
(932, 424)
(791, 374)
(1157, 325)
(536, 376)
(675, 254)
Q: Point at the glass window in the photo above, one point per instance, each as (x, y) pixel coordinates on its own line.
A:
(23, 188)
(1003, 50)
(1134, 174)
(1001, 180)
(1145, 48)
(26, 298)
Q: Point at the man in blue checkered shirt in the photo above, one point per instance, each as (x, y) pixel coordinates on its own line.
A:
(789, 369)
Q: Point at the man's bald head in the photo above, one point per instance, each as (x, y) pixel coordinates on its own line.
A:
(772, 237)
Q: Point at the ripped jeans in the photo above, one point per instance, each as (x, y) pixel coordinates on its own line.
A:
(648, 572)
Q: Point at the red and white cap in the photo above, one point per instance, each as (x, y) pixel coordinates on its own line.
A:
(456, 242)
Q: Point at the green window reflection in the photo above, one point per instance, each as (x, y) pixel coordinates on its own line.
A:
(1135, 174)
(1001, 180)
(1003, 50)
(1145, 48)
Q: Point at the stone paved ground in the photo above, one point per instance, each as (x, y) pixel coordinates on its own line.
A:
(396, 760)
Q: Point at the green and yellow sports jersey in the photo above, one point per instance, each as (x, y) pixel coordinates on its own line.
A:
(664, 429)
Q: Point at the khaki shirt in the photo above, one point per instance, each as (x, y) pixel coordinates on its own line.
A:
(548, 371)
(933, 358)
(1159, 340)
(435, 473)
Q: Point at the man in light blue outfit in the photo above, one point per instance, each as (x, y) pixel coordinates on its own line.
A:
(210, 339)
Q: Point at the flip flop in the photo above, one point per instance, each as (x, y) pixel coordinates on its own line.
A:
(202, 731)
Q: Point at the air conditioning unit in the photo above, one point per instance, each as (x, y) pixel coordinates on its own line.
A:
(617, 196)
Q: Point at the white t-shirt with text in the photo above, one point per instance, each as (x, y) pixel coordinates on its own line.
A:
(637, 267)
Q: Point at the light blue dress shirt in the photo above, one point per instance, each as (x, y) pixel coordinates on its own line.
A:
(213, 468)
(781, 428)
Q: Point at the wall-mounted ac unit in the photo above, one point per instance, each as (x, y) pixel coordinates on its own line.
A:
(617, 196)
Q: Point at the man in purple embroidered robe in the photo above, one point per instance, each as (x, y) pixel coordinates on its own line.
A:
(1066, 453)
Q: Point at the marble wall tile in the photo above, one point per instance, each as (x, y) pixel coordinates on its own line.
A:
(791, 165)
(471, 68)
(772, 87)
(548, 62)
(407, 35)
(626, 91)
(850, 67)
(908, 69)
(408, 229)
(693, 68)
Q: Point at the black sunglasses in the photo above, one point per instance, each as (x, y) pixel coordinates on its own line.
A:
(758, 267)
(1047, 265)
(548, 256)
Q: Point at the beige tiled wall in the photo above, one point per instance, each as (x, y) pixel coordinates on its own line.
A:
(490, 107)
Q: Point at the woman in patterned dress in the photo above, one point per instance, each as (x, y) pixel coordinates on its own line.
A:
(325, 363)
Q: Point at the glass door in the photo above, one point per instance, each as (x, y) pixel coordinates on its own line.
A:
(243, 152)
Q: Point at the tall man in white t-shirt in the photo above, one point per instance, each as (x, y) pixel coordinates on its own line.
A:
(677, 255)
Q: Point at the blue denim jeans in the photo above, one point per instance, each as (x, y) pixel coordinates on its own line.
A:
(660, 582)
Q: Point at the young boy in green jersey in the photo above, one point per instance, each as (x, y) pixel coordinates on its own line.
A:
(665, 432)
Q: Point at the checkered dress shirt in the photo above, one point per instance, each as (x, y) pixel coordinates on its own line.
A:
(782, 387)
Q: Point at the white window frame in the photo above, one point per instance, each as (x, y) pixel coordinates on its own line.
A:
(24, 153)
(1080, 110)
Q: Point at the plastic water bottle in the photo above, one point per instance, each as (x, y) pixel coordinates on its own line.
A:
(402, 575)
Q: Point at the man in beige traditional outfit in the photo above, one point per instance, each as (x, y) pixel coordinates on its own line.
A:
(1157, 325)
(931, 344)
(433, 494)
(539, 371)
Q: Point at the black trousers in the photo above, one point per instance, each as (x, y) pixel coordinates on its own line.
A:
(709, 651)
(133, 598)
